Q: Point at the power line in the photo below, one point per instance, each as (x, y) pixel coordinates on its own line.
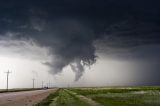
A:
(8, 72)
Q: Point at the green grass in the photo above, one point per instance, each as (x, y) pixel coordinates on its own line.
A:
(132, 96)
(127, 96)
(67, 99)
(120, 101)
(63, 98)
(88, 91)
(47, 101)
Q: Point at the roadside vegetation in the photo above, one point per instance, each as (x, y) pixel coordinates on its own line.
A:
(62, 98)
(115, 96)
(127, 96)
(67, 99)
(47, 101)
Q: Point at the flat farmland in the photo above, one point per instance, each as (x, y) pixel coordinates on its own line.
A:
(122, 96)
(105, 96)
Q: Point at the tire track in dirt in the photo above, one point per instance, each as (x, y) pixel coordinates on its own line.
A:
(84, 98)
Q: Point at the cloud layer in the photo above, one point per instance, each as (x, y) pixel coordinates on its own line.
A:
(73, 31)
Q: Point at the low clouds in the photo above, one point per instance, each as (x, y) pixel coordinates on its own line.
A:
(74, 31)
(23, 48)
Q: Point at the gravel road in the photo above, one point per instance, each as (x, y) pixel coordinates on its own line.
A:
(24, 98)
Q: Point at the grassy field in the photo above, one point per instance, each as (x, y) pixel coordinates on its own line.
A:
(67, 99)
(128, 96)
(115, 96)
(62, 98)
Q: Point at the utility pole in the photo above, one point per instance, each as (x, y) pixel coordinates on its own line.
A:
(49, 84)
(33, 82)
(42, 84)
(8, 72)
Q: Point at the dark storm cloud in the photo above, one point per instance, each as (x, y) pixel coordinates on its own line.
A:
(70, 28)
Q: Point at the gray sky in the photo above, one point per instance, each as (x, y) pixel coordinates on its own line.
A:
(29, 64)
(80, 43)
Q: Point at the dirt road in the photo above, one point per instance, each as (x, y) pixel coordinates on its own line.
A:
(26, 98)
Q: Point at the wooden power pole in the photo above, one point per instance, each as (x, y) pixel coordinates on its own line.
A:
(8, 72)
(33, 82)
